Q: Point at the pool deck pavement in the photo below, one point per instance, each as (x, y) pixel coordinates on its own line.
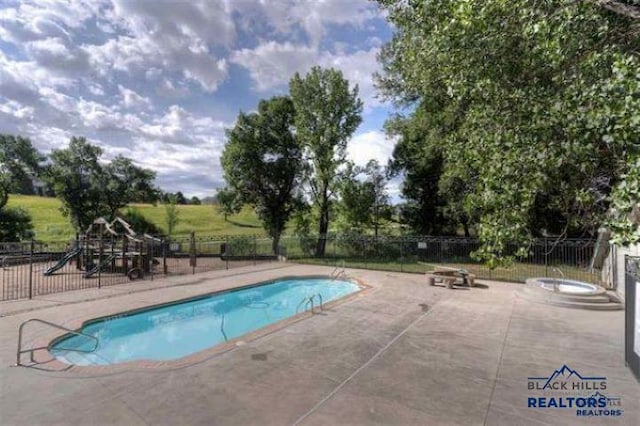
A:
(400, 353)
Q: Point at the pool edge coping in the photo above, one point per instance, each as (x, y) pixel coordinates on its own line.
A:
(56, 366)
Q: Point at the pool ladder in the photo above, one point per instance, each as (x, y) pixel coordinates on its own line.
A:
(21, 351)
(339, 272)
(310, 300)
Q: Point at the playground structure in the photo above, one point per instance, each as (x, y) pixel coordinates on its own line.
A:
(112, 247)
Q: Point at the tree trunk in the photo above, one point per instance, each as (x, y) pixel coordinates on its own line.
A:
(323, 227)
(275, 242)
(465, 226)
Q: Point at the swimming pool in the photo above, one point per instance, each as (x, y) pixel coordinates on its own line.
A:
(177, 330)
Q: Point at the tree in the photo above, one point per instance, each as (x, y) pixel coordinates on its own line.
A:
(195, 201)
(123, 182)
(15, 224)
(364, 201)
(179, 198)
(536, 108)
(228, 202)
(262, 163)
(171, 215)
(139, 223)
(20, 162)
(89, 189)
(434, 199)
(76, 177)
(327, 112)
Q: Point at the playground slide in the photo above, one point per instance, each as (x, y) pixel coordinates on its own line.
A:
(98, 267)
(67, 257)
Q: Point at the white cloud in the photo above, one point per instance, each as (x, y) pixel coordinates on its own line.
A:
(176, 39)
(271, 65)
(372, 145)
(313, 15)
(17, 110)
(142, 78)
(131, 99)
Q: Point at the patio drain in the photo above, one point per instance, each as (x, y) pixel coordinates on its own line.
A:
(259, 357)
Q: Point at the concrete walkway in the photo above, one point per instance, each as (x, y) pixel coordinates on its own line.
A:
(402, 353)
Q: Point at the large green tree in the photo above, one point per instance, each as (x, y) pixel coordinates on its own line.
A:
(20, 162)
(76, 177)
(89, 189)
(363, 198)
(123, 182)
(262, 163)
(537, 105)
(327, 112)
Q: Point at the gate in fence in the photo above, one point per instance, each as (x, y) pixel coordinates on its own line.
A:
(632, 314)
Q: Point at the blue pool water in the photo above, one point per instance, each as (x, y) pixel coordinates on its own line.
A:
(177, 330)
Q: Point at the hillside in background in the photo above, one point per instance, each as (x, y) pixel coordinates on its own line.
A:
(51, 225)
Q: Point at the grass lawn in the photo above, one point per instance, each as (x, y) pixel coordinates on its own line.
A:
(50, 225)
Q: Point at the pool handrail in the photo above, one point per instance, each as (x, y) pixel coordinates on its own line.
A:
(20, 351)
(222, 329)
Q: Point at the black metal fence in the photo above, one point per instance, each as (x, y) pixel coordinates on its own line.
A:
(632, 314)
(30, 269)
(570, 258)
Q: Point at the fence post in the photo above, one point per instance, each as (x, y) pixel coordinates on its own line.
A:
(79, 257)
(227, 251)
(192, 250)
(31, 247)
(100, 253)
(546, 260)
(150, 256)
(164, 255)
(401, 254)
(125, 260)
(255, 249)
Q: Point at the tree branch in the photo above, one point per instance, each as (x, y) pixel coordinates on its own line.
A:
(631, 11)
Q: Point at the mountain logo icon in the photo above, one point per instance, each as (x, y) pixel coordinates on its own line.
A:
(564, 373)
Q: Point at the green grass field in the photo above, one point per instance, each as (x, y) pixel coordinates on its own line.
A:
(51, 225)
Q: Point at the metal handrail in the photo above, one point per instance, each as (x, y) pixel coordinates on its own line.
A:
(321, 301)
(338, 272)
(19, 352)
(307, 300)
(222, 329)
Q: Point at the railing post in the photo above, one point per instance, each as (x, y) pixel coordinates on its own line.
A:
(79, 261)
(149, 259)
(100, 252)
(125, 261)
(546, 260)
(31, 247)
(192, 249)
(401, 254)
(227, 251)
(164, 255)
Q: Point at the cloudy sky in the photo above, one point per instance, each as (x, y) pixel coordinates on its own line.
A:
(159, 81)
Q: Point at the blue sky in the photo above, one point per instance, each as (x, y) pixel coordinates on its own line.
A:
(159, 81)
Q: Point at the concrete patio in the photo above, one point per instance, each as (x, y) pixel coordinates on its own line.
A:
(400, 353)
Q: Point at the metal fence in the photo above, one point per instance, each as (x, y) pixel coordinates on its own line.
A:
(30, 269)
(632, 314)
(570, 258)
